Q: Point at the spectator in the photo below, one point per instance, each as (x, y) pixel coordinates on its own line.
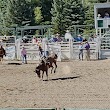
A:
(106, 15)
(99, 16)
(91, 38)
(84, 39)
(68, 36)
(45, 47)
(1, 42)
(79, 38)
(34, 40)
(23, 55)
(53, 39)
(25, 40)
(59, 39)
(81, 51)
(96, 38)
(87, 47)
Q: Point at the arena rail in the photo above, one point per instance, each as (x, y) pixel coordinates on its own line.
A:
(64, 50)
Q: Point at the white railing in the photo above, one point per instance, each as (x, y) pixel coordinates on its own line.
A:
(64, 50)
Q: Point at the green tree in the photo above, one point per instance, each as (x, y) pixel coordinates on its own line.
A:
(38, 15)
(20, 12)
(57, 16)
(66, 14)
(74, 13)
(3, 16)
(46, 8)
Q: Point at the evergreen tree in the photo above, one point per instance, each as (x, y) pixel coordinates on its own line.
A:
(74, 13)
(66, 14)
(38, 15)
(46, 8)
(57, 16)
(3, 5)
(20, 12)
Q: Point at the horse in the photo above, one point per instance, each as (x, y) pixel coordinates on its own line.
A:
(2, 53)
(45, 64)
(52, 59)
(42, 67)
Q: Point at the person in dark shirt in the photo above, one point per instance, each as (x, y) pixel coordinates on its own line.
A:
(87, 47)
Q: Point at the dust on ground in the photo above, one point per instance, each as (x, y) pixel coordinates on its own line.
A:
(76, 84)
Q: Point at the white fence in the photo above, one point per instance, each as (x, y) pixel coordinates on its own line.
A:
(64, 50)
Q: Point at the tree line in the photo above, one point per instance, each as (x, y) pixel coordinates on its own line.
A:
(62, 14)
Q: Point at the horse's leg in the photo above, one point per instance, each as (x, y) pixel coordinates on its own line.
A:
(52, 69)
(47, 74)
(55, 66)
(42, 75)
(1, 60)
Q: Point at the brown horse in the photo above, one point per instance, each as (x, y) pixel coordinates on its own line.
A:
(45, 65)
(42, 67)
(52, 59)
(2, 53)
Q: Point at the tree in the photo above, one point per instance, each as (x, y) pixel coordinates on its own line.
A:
(3, 16)
(19, 11)
(74, 13)
(46, 6)
(38, 15)
(66, 14)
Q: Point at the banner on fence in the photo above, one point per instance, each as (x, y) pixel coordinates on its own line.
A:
(10, 53)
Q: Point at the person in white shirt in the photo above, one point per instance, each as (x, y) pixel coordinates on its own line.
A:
(45, 47)
(81, 51)
(34, 40)
(1, 42)
(68, 36)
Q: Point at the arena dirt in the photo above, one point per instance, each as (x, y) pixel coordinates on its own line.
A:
(76, 84)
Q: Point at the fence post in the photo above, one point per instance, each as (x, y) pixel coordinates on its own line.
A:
(18, 49)
(71, 48)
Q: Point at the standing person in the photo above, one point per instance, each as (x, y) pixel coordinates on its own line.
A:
(68, 35)
(23, 55)
(87, 47)
(81, 51)
(79, 38)
(40, 50)
(34, 40)
(45, 47)
(1, 42)
(106, 15)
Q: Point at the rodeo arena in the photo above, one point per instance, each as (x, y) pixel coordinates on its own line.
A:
(54, 71)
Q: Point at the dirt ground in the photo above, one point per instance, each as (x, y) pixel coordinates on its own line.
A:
(76, 84)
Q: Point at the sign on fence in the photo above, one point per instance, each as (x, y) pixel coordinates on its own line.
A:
(10, 53)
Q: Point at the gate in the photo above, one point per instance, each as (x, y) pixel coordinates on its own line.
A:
(105, 45)
(8, 42)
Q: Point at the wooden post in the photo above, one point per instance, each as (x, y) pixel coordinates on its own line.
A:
(99, 44)
(71, 48)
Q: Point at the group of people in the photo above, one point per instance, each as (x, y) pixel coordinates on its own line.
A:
(44, 47)
(84, 46)
(43, 50)
(105, 16)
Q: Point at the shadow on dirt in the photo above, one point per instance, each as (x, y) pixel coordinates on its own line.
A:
(65, 78)
(14, 64)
